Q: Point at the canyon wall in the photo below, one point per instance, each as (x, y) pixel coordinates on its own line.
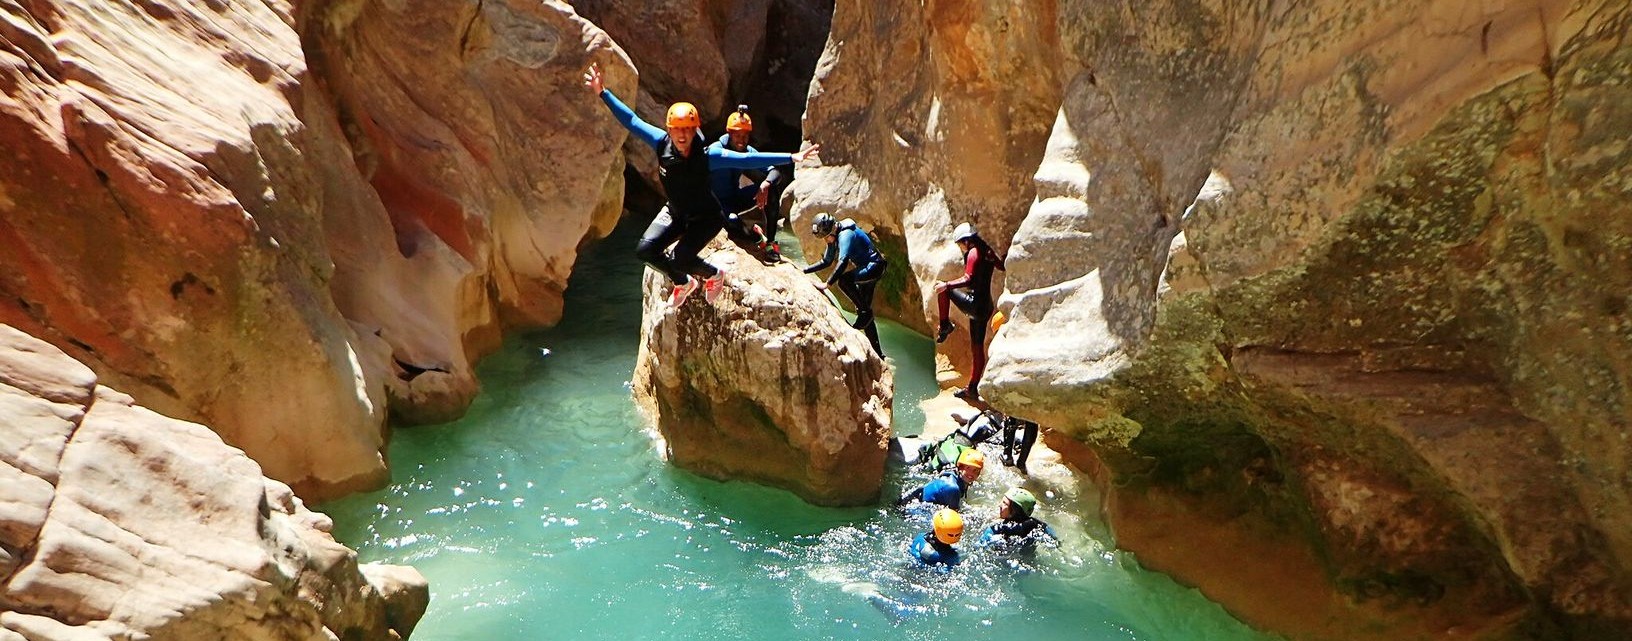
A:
(117, 522)
(288, 221)
(1331, 298)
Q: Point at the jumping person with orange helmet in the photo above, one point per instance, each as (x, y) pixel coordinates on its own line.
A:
(973, 295)
(742, 190)
(693, 215)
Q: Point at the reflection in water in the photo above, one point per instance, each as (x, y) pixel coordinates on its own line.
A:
(547, 513)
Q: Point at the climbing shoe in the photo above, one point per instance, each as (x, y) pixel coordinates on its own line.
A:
(967, 393)
(945, 331)
(773, 251)
(678, 297)
(714, 286)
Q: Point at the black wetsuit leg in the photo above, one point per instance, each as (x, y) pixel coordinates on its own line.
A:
(699, 231)
(663, 231)
(1026, 441)
(861, 295)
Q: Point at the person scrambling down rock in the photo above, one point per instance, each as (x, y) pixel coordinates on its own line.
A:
(859, 268)
(973, 295)
(935, 546)
(742, 192)
(948, 488)
(692, 216)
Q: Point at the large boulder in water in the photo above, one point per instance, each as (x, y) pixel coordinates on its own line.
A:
(769, 384)
(117, 522)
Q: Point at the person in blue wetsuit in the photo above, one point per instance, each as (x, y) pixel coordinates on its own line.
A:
(1017, 525)
(744, 190)
(935, 546)
(692, 216)
(859, 268)
(948, 488)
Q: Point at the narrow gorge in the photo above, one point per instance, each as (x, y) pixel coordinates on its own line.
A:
(1322, 307)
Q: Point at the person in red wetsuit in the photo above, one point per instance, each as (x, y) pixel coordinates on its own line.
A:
(973, 295)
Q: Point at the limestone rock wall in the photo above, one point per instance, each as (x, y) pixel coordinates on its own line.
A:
(1340, 287)
(929, 114)
(288, 220)
(769, 384)
(117, 522)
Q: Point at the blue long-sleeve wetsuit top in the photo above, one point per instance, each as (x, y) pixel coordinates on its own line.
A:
(685, 177)
(947, 488)
(736, 188)
(854, 251)
(929, 551)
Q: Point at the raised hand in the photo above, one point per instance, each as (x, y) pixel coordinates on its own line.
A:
(592, 79)
(807, 153)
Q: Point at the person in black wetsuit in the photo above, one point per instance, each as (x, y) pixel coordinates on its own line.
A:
(692, 216)
(859, 268)
(1017, 521)
(743, 190)
(973, 295)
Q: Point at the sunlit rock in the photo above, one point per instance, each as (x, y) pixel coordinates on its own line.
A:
(289, 220)
(770, 384)
(117, 522)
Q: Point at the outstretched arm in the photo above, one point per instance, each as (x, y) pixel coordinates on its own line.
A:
(641, 129)
(827, 259)
(727, 159)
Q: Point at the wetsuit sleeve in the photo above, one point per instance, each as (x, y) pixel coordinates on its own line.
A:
(827, 259)
(915, 495)
(847, 238)
(970, 260)
(777, 177)
(723, 158)
(641, 129)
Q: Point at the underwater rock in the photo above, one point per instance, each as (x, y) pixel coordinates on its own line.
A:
(770, 384)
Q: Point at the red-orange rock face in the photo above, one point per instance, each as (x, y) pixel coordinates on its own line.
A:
(288, 245)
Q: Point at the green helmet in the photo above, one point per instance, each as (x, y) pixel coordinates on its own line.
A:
(1022, 500)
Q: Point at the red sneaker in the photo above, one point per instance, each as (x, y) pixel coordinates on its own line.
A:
(714, 286)
(678, 297)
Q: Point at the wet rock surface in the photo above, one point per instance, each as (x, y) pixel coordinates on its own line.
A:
(769, 384)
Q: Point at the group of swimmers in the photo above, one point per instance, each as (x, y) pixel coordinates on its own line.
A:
(958, 463)
(710, 191)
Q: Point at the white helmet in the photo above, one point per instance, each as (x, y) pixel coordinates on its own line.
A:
(965, 231)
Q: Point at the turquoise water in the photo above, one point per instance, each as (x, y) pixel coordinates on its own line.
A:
(547, 513)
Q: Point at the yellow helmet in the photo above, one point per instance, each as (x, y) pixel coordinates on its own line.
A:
(683, 115)
(739, 121)
(948, 526)
(972, 458)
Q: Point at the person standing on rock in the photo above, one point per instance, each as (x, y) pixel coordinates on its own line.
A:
(692, 216)
(859, 268)
(743, 190)
(973, 295)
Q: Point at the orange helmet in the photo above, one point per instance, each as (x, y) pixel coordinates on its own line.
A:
(683, 115)
(739, 121)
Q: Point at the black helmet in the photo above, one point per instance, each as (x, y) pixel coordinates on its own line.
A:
(823, 225)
